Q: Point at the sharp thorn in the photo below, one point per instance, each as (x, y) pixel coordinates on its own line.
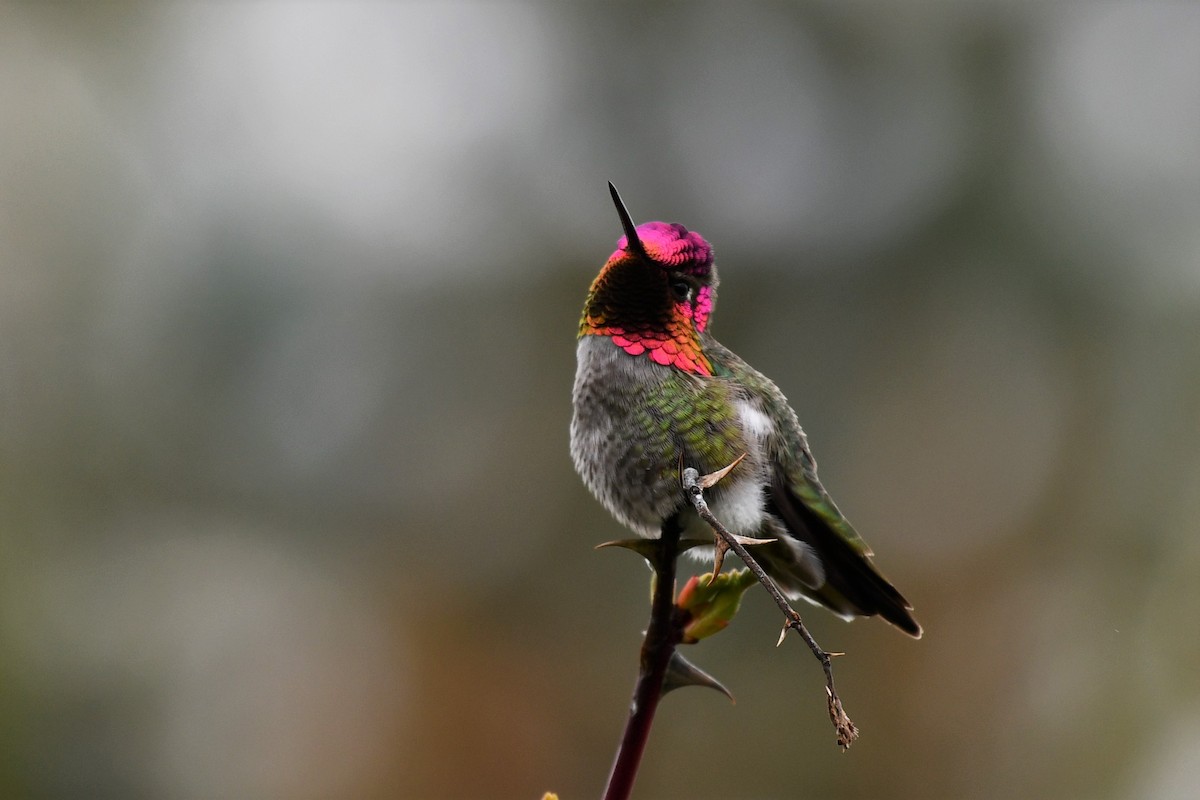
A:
(681, 672)
(750, 541)
(710, 480)
(719, 551)
(649, 548)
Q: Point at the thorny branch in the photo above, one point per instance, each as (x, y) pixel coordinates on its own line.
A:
(665, 631)
(662, 635)
(694, 485)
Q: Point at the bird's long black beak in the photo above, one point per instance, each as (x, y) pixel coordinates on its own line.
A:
(633, 243)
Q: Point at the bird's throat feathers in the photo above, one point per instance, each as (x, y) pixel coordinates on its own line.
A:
(631, 302)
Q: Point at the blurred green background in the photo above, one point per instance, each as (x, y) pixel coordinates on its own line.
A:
(288, 305)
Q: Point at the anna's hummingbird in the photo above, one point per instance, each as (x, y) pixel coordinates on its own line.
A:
(654, 390)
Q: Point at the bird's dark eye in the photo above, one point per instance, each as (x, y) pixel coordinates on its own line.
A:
(682, 290)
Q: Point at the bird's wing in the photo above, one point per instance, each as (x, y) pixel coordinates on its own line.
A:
(795, 495)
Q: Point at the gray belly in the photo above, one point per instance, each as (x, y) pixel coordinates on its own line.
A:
(617, 443)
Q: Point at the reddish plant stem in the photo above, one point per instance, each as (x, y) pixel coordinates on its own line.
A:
(662, 635)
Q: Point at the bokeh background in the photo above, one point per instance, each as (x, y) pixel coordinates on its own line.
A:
(288, 301)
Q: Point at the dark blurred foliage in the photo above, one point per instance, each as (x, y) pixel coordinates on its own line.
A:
(289, 298)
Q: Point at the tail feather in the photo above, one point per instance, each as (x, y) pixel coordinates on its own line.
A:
(852, 584)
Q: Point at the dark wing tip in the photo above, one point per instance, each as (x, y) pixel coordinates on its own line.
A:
(903, 620)
(849, 573)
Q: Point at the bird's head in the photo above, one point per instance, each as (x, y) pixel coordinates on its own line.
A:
(655, 294)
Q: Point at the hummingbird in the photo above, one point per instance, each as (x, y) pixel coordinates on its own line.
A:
(654, 390)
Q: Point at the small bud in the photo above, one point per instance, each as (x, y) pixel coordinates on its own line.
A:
(712, 602)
